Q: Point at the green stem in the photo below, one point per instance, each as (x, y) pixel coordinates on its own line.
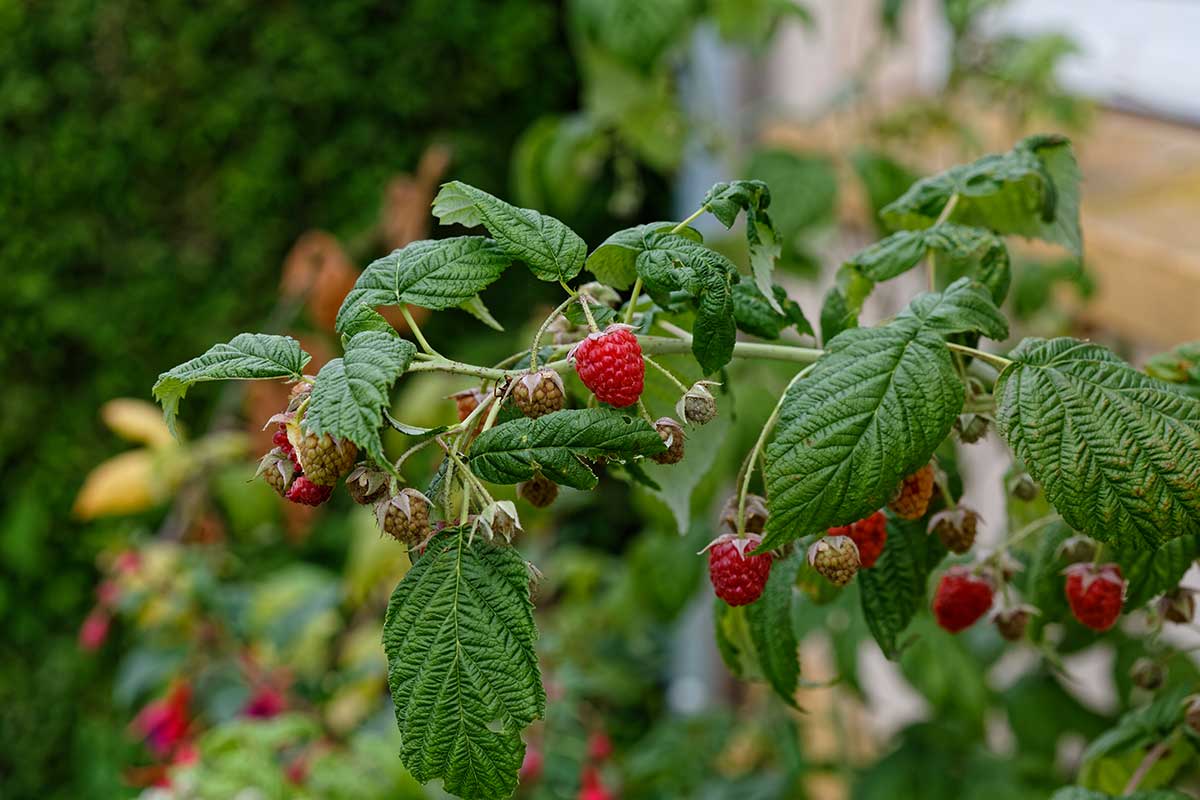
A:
(587, 312)
(768, 426)
(947, 210)
(644, 412)
(537, 337)
(666, 372)
(996, 361)
(675, 330)
(633, 298)
(1026, 531)
(695, 215)
(416, 331)
(1148, 761)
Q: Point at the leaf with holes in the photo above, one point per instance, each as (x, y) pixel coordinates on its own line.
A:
(1032, 190)
(557, 444)
(769, 620)
(553, 251)
(894, 590)
(432, 274)
(248, 356)
(462, 669)
(873, 410)
(1116, 452)
(352, 391)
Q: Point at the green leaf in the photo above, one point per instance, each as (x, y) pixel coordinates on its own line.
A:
(553, 251)
(479, 311)
(844, 301)
(1180, 365)
(363, 318)
(724, 201)
(352, 391)
(437, 274)
(247, 356)
(1117, 452)
(676, 263)
(1032, 190)
(769, 620)
(462, 669)
(733, 639)
(755, 316)
(1079, 793)
(557, 444)
(891, 256)
(894, 590)
(964, 306)
(1149, 573)
(804, 188)
(873, 410)
(676, 487)
(1043, 579)
(614, 262)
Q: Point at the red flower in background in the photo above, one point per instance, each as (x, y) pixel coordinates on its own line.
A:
(164, 723)
(266, 702)
(94, 631)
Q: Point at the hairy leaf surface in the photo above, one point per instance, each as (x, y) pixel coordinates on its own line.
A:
(894, 590)
(754, 315)
(352, 391)
(553, 251)
(873, 410)
(557, 444)
(769, 620)
(614, 262)
(1149, 573)
(462, 669)
(724, 201)
(247, 356)
(1117, 452)
(436, 274)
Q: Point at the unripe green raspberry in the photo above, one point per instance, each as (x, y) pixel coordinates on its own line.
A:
(835, 557)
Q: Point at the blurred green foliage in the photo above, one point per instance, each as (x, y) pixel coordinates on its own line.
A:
(158, 161)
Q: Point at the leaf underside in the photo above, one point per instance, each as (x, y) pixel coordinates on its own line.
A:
(248, 356)
(1117, 452)
(462, 669)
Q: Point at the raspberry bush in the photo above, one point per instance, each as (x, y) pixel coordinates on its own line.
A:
(854, 489)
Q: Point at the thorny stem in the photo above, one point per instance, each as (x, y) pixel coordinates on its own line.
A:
(1154, 754)
(947, 210)
(997, 361)
(587, 312)
(666, 372)
(768, 426)
(537, 337)
(644, 412)
(416, 331)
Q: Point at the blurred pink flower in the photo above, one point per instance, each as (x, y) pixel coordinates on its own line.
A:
(163, 723)
(94, 630)
(266, 702)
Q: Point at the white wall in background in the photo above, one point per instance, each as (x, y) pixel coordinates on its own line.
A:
(1143, 55)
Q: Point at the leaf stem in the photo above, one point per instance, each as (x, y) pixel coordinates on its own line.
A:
(587, 312)
(666, 372)
(1026, 531)
(675, 330)
(416, 331)
(768, 426)
(996, 361)
(1154, 754)
(633, 298)
(947, 210)
(537, 337)
(695, 215)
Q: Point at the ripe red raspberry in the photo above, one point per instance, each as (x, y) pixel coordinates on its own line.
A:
(912, 497)
(610, 365)
(404, 516)
(307, 493)
(280, 440)
(671, 433)
(961, 599)
(835, 557)
(539, 393)
(956, 528)
(869, 535)
(738, 578)
(538, 491)
(322, 458)
(1095, 594)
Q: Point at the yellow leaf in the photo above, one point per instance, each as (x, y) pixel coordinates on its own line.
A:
(124, 484)
(137, 421)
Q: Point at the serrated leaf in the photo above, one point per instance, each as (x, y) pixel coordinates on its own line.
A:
(1149, 573)
(755, 316)
(964, 306)
(553, 251)
(352, 391)
(891, 256)
(965, 251)
(462, 669)
(1116, 452)
(1180, 364)
(614, 261)
(724, 201)
(479, 311)
(248, 356)
(676, 263)
(436, 274)
(873, 410)
(844, 301)
(557, 444)
(1032, 190)
(769, 620)
(364, 318)
(894, 589)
